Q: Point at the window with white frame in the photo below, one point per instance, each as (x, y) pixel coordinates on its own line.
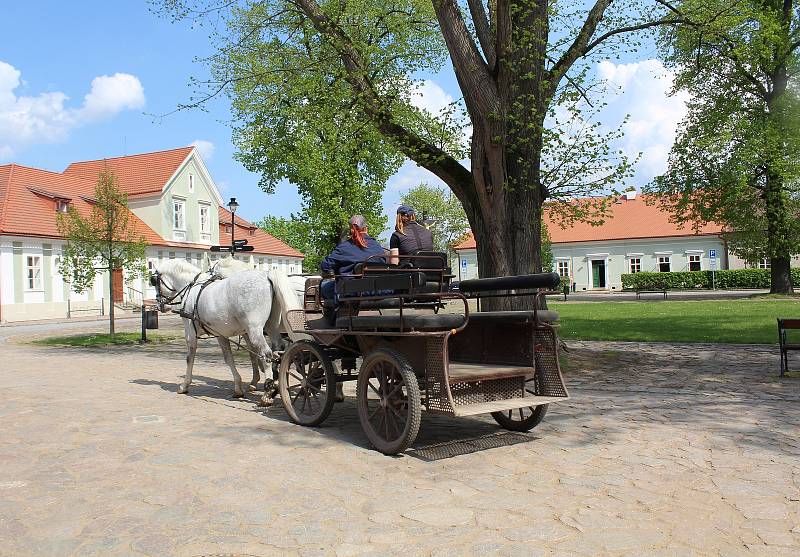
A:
(191, 183)
(62, 206)
(765, 263)
(205, 223)
(694, 263)
(563, 268)
(664, 264)
(635, 265)
(34, 272)
(178, 214)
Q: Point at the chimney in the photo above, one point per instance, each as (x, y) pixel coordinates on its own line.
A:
(630, 195)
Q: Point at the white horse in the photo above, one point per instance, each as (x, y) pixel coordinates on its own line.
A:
(247, 303)
(228, 266)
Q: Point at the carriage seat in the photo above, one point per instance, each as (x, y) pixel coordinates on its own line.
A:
(442, 321)
(419, 322)
(497, 317)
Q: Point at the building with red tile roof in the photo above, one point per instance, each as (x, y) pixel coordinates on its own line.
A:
(176, 208)
(636, 236)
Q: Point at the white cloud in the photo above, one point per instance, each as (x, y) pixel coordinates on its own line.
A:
(654, 114)
(111, 94)
(44, 118)
(431, 98)
(205, 148)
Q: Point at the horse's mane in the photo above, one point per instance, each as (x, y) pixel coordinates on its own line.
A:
(179, 267)
(228, 266)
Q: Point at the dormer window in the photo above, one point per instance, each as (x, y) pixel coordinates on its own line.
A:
(228, 229)
(252, 231)
(62, 206)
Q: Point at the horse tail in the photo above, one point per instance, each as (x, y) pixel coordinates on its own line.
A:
(284, 300)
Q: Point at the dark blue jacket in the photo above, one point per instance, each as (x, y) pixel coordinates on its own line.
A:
(347, 254)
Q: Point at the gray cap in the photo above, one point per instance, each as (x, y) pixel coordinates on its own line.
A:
(359, 221)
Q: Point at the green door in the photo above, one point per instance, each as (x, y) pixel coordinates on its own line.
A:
(598, 273)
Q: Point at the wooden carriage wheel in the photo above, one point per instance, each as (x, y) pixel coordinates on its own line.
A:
(388, 399)
(307, 383)
(521, 419)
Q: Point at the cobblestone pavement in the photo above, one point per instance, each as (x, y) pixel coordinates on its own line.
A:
(662, 450)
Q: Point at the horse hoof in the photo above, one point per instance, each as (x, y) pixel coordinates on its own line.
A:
(238, 395)
(265, 402)
(252, 388)
(183, 390)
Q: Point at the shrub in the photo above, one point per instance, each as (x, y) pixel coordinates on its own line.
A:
(739, 278)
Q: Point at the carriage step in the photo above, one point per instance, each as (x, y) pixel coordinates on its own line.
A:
(508, 404)
(459, 372)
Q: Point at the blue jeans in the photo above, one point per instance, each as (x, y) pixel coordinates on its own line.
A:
(327, 289)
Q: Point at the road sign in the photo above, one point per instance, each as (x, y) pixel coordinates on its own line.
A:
(713, 263)
(463, 263)
(712, 253)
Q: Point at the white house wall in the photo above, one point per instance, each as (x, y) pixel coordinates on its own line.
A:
(56, 301)
(616, 256)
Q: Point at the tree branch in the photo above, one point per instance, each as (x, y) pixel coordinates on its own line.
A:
(579, 44)
(485, 36)
(472, 72)
(434, 159)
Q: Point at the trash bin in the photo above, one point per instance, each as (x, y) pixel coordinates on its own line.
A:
(151, 319)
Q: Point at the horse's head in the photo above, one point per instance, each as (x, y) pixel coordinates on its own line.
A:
(171, 280)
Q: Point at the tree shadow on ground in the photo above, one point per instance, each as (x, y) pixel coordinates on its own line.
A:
(342, 425)
(616, 388)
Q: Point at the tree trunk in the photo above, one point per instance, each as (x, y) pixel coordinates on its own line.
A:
(111, 302)
(778, 241)
(777, 236)
(507, 220)
(780, 276)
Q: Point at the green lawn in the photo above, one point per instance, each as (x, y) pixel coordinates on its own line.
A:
(103, 339)
(731, 321)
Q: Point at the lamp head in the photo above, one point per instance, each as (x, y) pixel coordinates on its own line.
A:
(233, 205)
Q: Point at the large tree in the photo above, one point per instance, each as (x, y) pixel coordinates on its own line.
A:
(102, 240)
(736, 159)
(522, 67)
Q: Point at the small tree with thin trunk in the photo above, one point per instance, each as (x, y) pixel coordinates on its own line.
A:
(103, 240)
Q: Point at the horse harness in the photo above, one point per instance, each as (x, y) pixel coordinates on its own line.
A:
(156, 280)
(207, 332)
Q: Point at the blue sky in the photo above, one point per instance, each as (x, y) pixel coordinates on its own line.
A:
(82, 80)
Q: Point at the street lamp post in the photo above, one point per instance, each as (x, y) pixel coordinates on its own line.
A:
(232, 206)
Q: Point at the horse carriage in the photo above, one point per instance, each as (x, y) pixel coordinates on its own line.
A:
(414, 355)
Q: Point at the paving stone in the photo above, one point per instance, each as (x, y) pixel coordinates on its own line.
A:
(663, 450)
(440, 516)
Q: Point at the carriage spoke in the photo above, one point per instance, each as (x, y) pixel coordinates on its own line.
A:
(371, 386)
(372, 414)
(295, 376)
(294, 400)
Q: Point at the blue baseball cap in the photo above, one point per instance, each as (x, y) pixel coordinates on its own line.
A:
(406, 210)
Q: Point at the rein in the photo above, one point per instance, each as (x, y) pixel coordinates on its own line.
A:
(157, 280)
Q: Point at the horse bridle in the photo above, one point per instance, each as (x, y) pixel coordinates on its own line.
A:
(156, 280)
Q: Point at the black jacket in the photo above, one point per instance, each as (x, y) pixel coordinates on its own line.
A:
(416, 238)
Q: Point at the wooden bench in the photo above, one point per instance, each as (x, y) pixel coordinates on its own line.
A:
(785, 325)
(640, 291)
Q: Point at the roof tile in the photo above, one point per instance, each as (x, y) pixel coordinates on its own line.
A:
(629, 219)
(136, 174)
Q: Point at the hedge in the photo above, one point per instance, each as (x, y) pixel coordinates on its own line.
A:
(739, 278)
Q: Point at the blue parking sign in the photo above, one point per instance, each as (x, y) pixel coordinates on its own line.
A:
(712, 253)
(463, 263)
